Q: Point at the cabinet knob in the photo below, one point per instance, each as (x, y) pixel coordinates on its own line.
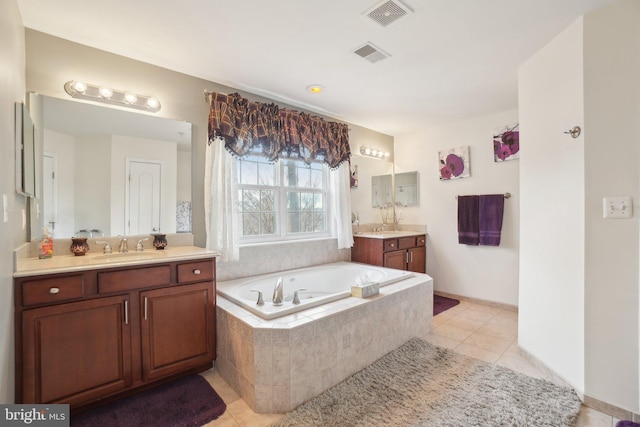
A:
(54, 290)
(196, 272)
(393, 245)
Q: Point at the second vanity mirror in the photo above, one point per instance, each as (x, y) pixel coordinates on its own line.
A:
(107, 172)
(405, 190)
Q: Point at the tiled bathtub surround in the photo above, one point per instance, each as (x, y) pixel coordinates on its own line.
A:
(271, 257)
(276, 365)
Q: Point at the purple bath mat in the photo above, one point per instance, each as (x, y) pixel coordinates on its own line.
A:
(186, 402)
(441, 304)
(627, 424)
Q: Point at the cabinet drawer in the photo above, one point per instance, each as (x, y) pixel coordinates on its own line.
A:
(390, 245)
(123, 280)
(195, 271)
(421, 241)
(52, 290)
(406, 242)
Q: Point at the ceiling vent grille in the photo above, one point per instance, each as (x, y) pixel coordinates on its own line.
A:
(386, 12)
(371, 53)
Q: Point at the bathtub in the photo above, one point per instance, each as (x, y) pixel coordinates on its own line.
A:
(324, 283)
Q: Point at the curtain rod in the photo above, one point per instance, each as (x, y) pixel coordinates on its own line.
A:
(506, 195)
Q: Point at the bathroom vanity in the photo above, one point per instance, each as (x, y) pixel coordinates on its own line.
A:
(94, 329)
(403, 250)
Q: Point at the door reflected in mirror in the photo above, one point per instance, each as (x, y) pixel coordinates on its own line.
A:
(108, 172)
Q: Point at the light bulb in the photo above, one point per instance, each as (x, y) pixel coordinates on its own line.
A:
(153, 103)
(130, 98)
(106, 92)
(367, 150)
(79, 87)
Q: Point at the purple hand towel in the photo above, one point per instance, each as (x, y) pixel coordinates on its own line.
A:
(490, 218)
(626, 423)
(468, 224)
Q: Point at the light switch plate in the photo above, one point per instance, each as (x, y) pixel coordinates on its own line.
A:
(619, 207)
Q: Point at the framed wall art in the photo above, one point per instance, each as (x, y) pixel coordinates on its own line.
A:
(454, 164)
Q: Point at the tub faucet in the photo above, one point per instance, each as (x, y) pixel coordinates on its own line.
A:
(278, 292)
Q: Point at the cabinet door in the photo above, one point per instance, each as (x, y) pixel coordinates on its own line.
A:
(417, 260)
(396, 259)
(76, 352)
(178, 329)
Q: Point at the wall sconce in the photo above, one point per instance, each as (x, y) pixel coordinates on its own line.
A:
(78, 89)
(373, 152)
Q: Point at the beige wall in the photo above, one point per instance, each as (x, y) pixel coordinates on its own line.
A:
(483, 272)
(12, 90)
(552, 203)
(53, 61)
(577, 268)
(612, 165)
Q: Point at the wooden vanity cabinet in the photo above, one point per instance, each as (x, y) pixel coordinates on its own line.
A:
(87, 336)
(403, 253)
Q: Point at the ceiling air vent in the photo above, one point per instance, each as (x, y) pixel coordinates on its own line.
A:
(386, 12)
(371, 53)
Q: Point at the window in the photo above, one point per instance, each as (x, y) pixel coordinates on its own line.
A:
(282, 200)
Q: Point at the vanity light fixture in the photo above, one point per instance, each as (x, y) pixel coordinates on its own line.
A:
(373, 152)
(82, 90)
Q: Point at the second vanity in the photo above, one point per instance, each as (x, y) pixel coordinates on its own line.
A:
(403, 250)
(93, 328)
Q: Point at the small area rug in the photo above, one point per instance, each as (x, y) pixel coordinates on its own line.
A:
(420, 384)
(626, 423)
(441, 304)
(186, 402)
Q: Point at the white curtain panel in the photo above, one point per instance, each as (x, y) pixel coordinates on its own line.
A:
(340, 190)
(220, 198)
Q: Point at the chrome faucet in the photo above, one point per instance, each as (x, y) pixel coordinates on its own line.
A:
(124, 247)
(278, 292)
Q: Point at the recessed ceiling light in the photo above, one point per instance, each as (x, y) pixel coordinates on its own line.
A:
(315, 88)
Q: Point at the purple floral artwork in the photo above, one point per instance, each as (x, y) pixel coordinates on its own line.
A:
(506, 143)
(454, 164)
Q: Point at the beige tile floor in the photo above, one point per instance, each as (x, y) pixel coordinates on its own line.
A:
(477, 330)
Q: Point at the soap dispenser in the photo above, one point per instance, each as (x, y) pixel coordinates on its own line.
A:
(46, 245)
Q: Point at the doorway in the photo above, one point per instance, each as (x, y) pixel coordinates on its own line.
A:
(143, 196)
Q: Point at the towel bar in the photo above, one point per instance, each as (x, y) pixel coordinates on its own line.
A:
(506, 195)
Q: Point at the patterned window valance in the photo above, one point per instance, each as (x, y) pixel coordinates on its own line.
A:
(276, 132)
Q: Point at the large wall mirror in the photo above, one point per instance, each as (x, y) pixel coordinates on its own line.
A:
(108, 172)
(25, 151)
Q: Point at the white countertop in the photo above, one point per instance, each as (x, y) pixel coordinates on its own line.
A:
(70, 263)
(389, 234)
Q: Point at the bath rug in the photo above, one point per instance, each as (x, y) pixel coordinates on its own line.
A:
(420, 384)
(626, 423)
(186, 402)
(441, 304)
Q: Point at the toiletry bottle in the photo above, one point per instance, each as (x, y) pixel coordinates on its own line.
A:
(46, 245)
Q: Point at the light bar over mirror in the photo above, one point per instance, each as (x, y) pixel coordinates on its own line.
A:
(82, 90)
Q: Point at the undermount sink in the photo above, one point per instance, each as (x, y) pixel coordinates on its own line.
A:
(124, 255)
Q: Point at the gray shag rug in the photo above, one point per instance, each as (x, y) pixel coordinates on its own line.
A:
(420, 384)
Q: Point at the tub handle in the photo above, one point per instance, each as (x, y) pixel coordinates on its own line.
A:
(296, 300)
(260, 300)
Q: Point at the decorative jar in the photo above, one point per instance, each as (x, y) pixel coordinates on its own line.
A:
(79, 246)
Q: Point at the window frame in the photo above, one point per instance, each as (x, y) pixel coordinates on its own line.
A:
(280, 202)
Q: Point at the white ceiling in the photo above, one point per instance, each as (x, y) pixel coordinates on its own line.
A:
(450, 59)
